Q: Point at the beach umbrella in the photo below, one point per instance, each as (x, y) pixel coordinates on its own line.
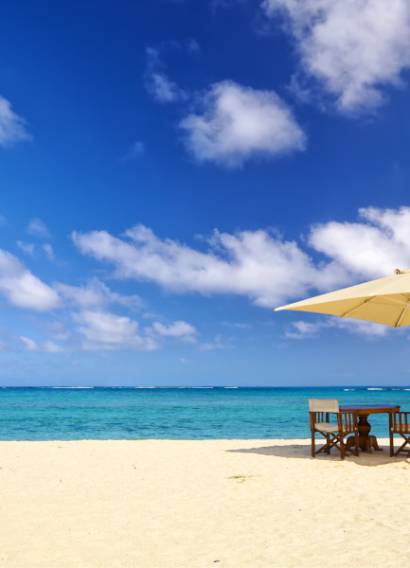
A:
(385, 300)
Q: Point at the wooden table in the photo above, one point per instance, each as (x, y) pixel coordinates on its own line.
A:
(362, 411)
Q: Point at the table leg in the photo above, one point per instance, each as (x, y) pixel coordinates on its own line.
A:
(374, 444)
(366, 442)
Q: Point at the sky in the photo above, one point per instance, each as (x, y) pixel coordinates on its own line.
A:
(172, 170)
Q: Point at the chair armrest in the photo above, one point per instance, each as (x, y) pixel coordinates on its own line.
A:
(323, 412)
(347, 421)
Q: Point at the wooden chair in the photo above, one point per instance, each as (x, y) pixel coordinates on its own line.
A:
(399, 423)
(335, 432)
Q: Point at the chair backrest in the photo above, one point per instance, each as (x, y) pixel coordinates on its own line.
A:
(323, 405)
(401, 422)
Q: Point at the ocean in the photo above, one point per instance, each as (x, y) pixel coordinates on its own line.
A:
(62, 413)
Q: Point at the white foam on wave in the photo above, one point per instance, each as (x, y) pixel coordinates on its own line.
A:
(349, 389)
(375, 389)
(190, 388)
(72, 388)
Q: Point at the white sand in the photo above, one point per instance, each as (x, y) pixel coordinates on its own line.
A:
(184, 504)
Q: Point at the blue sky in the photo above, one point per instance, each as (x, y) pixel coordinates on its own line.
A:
(173, 170)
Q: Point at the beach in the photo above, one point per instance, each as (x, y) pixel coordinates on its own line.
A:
(197, 504)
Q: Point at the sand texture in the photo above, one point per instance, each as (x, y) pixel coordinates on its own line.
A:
(197, 504)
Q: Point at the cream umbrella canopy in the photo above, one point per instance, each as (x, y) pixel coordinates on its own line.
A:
(385, 300)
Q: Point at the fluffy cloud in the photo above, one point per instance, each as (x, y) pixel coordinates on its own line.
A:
(37, 228)
(98, 329)
(374, 246)
(157, 83)
(28, 248)
(304, 330)
(31, 248)
(256, 264)
(12, 126)
(354, 49)
(366, 328)
(260, 264)
(22, 288)
(105, 330)
(96, 294)
(48, 251)
(178, 330)
(28, 343)
(235, 123)
(45, 347)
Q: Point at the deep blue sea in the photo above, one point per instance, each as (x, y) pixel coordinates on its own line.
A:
(177, 413)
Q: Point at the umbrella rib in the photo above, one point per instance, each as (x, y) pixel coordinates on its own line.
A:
(351, 310)
(401, 316)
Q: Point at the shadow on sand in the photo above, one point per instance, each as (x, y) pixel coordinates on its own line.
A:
(300, 451)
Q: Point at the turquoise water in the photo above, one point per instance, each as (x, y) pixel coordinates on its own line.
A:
(178, 413)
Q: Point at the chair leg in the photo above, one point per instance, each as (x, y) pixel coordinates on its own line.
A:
(342, 450)
(356, 443)
(328, 444)
(401, 449)
(391, 444)
(391, 436)
(313, 445)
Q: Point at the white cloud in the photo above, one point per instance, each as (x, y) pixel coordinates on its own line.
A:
(12, 126)
(37, 228)
(107, 331)
(28, 248)
(163, 89)
(28, 343)
(22, 288)
(260, 264)
(48, 251)
(256, 264)
(178, 329)
(366, 328)
(305, 330)
(96, 294)
(302, 329)
(31, 248)
(46, 347)
(374, 246)
(353, 48)
(51, 347)
(235, 123)
(97, 329)
(157, 82)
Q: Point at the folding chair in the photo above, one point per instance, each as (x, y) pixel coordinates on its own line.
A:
(399, 424)
(334, 432)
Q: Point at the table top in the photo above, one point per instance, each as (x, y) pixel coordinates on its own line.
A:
(370, 408)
